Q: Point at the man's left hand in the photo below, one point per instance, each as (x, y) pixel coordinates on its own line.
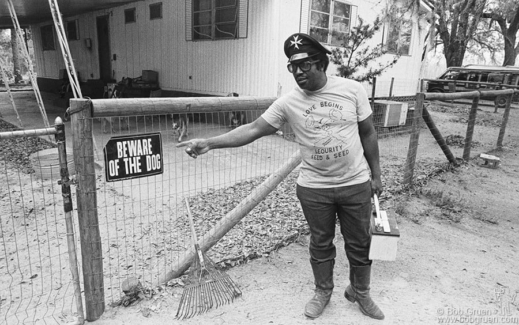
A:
(376, 186)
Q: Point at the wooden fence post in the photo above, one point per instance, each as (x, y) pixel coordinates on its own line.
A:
(413, 140)
(438, 136)
(506, 114)
(373, 89)
(470, 128)
(90, 238)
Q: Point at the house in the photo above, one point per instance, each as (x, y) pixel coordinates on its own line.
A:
(211, 47)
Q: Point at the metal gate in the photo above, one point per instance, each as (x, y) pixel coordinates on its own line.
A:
(39, 282)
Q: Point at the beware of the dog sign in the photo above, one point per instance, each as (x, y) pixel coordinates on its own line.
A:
(133, 156)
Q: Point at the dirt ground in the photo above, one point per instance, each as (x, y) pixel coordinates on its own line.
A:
(457, 255)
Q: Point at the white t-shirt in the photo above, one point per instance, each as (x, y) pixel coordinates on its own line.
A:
(325, 124)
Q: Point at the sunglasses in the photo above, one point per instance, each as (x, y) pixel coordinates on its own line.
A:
(305, 66)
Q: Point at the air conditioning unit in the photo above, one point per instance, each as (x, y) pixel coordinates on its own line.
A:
(393, 113)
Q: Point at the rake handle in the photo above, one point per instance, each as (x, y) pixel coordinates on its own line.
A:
(191, 224)
(193, 235)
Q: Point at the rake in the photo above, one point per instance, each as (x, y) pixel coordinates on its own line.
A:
(207, 286)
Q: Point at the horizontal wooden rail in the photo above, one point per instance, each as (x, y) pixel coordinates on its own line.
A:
(504, 92)
(176, 105)
(449, 96)
(467, 94)
(28, 133)
(476, 84)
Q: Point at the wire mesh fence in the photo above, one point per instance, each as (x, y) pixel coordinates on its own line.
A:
(36, 286)
(456, 131)
(143, 225)
(143, 230)
(392, 87)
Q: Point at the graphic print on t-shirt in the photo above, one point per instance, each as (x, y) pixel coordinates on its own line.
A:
(325, 123)
(330, 142)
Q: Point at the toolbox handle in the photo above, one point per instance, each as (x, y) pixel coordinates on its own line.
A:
(381, 221)
(378, 220)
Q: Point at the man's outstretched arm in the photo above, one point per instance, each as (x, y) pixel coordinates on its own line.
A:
(238, 137)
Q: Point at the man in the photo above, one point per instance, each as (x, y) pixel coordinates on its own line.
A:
(332, 121)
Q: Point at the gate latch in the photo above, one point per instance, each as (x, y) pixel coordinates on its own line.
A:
(71, 181)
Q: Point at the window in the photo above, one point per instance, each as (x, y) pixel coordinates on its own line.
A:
(47, 38)
(473, 76)
(399, 36)
(514, 79)
(156, 11)
(496, 77)
(450, 75)
(130, 16)
(72, 30)
(462, 76)
(330, 21)
(215, 19)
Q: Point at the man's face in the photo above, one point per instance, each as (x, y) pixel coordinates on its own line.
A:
(307, 74)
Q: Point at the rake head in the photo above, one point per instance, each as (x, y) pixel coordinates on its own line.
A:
(208, 288)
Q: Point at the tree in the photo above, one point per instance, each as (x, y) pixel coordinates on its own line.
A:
(17, 64)
(487, 43)
(5, 51)
(354, 57)
(505, 14)
(454, 22)
(456, 25)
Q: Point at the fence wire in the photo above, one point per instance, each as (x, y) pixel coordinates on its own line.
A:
(35, 279)
(452, 119)
(393, 138)
(389, 87)
(144, 230)
(143, 224)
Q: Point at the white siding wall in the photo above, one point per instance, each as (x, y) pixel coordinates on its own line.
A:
(406, 72)
(255, 65)
(48, 63)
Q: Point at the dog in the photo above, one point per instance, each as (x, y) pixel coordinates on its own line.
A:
(237, 118)
(180, 125)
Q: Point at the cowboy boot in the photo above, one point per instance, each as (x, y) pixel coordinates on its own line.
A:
(323, 275)
(358, 291)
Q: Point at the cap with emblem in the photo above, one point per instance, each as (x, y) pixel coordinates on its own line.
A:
(301, 46)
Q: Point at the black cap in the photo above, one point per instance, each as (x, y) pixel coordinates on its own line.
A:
(301, 46)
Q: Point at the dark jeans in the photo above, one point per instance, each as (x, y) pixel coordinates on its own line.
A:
(352, 206)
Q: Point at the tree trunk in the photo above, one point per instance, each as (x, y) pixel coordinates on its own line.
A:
(17, 67)
(510, 36)
(456, 32)
(510, 52)
(454, 54)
